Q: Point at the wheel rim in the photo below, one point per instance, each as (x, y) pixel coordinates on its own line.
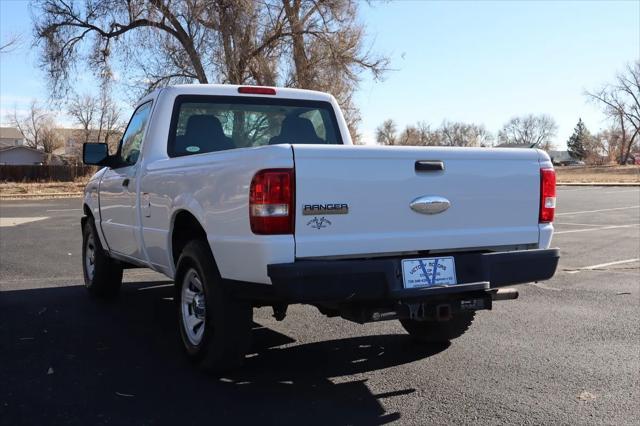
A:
(193, 307)
(90, 257)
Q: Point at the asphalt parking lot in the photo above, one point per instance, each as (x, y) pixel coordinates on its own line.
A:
(566, 352)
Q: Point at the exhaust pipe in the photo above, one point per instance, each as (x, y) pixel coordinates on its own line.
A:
(505, 294)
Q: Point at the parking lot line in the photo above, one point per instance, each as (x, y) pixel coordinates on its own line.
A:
(597, 229)
(64, 210)
(601, 265)
(597, 211)
(14, 221)
(155, 286)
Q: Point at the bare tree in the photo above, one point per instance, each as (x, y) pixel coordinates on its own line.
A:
(409, 136)
(65, 28)
(311, 44)
(99, 117)
(83, 109)
(463, 134)
(11, 43)
(30, 124)
(38, 127)
(621, 103)
(50, 139)
(111, 125)
(386, 133)
(537, 131)
(421, 135)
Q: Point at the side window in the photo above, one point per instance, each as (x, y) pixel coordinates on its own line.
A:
(132, 139)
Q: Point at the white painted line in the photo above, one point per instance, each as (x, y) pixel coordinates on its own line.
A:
(64, 210)
(602, 265)
(597, 229)
(156, 286)
(596, 211)
(545, 287)
(14, 221)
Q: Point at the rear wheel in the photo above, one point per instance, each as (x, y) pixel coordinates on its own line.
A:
(102, 275)
(438, 331)
(215, 328)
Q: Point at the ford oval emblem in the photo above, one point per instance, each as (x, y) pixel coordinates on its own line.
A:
(430, 204)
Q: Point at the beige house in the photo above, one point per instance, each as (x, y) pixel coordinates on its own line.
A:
(73, 139)
(10, 136)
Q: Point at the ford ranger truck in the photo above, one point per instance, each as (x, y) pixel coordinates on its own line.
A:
(256, 196)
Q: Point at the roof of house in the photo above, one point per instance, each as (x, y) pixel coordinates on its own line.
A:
(514, 145)
(9, 148)
(10, 133)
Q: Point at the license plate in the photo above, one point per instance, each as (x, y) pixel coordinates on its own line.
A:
(429, 272)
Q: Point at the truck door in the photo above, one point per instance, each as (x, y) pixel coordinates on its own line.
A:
(118, 188)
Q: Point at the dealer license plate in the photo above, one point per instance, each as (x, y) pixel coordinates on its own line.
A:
(429, 272)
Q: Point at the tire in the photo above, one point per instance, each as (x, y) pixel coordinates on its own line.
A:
(102, 275)
(436, 331)
(215, 328)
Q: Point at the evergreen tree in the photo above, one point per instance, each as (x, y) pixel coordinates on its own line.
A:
(579, 141)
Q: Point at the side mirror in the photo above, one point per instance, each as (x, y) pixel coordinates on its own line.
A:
(95, 154)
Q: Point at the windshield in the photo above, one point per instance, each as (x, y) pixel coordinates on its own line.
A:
(216, 123)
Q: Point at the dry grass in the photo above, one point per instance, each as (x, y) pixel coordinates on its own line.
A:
(39, 189)
(598, 174)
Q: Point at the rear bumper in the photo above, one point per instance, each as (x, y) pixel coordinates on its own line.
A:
(309, 281)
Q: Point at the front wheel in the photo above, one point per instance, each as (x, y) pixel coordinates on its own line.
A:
(438, 331)
(215, 328)
(102, 275)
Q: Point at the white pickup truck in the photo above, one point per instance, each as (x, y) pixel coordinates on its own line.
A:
(256, 196)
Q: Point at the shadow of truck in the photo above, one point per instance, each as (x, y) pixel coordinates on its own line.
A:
(66, 359)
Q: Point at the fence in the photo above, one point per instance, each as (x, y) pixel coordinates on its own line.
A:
(35, 173)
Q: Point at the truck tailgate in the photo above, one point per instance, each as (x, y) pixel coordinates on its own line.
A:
(355, 200)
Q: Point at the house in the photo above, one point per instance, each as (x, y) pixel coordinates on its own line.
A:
(514, 145)
(21, 156)
(558, 157)
(73, 139)
(10, 136)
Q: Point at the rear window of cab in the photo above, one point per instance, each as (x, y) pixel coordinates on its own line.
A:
(201, 124)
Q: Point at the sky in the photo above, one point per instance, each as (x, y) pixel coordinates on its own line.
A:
(479, 62)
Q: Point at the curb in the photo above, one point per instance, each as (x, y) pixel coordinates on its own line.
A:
(598, 183)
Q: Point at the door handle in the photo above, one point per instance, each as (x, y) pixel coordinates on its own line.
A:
(125, 182)
(429, 166)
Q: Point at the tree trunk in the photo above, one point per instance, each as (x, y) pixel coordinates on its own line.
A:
(627, 152)
(623, 134)
(301, 63)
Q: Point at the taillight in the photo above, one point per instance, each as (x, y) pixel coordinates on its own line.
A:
(257, 90)
(547, 195)
(271, 208)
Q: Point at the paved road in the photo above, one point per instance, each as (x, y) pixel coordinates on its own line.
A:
(567, 351)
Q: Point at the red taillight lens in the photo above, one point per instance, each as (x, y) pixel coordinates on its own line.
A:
(257, 90)
(271, 202)
(547, 195)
